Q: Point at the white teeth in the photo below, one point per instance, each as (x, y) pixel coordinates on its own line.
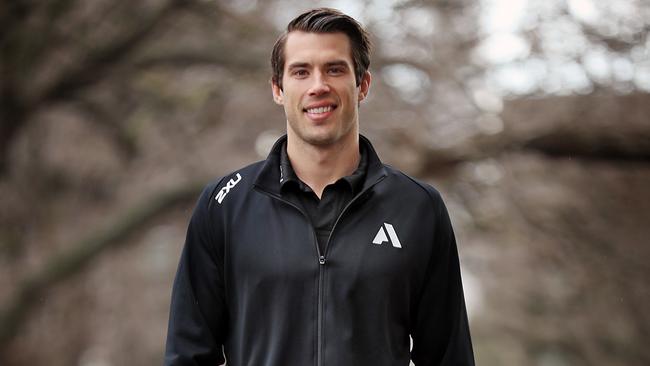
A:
(319, 109)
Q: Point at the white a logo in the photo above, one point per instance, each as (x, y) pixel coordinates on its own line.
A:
(381, 235)
(224, 191)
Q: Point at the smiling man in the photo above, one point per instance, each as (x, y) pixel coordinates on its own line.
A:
(319, 255)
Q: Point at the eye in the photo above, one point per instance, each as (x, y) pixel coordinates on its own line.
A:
(336, 70)
(300, 73)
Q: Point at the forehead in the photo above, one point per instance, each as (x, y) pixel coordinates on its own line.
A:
(315, 48)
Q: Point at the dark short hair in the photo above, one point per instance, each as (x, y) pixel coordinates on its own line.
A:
(325, 20)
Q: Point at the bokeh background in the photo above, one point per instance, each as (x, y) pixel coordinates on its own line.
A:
(532, 117)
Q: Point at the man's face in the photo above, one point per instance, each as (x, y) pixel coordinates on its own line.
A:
(319, 95)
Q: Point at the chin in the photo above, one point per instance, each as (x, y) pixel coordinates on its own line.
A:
(320, 140)
(324, 135)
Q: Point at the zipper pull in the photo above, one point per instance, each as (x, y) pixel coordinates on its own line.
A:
(322, 260)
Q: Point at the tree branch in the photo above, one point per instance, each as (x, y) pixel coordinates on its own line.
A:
(107, 121)
(99, 63)
(66, 265)
(604, 127)
(243, 62)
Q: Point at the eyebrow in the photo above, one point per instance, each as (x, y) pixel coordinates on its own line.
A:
(298, 65)
(337, 63)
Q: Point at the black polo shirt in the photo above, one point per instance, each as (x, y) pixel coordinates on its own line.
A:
(322, 212)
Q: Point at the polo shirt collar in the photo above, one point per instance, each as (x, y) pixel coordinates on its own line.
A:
(269, 178)
(289, 177)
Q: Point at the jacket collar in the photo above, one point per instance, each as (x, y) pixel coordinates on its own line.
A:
(269, 178)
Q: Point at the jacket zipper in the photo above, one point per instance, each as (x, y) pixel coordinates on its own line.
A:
(322, 260)
(327, 244)
(321, 263)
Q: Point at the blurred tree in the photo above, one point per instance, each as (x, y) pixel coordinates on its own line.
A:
(528, 114)
(80, 77)
(58, 51)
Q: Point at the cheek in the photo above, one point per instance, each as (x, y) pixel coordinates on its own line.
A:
(291, 97)
(352, 91)
(291, 105)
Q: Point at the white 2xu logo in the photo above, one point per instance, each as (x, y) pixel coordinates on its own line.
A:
(224, 191)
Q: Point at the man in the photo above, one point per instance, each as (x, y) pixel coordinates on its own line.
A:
(320, 254)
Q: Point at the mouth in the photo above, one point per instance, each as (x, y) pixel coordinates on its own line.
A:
(319, 111)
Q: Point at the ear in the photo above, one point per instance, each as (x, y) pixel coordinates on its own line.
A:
(277, 94)
(364, 86)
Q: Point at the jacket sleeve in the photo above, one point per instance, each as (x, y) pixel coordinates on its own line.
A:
(198, 313)
(440, 331)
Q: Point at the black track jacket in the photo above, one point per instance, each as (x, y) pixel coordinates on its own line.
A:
(253, 285)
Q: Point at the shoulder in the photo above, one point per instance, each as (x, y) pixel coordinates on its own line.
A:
(216, 191)
(407, 187)
(218, 196)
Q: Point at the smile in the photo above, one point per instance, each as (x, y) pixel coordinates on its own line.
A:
(320, 110)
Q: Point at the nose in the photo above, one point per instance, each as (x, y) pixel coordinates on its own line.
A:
(319, 86)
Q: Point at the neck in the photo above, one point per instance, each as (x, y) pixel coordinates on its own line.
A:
(319, 166)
